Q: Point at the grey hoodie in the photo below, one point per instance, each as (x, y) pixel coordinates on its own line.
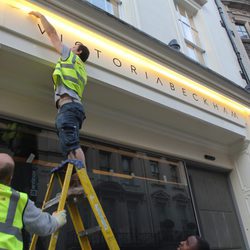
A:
(38, 222)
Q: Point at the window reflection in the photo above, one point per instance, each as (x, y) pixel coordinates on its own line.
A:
(104, 160)
(154, 169)
(126, 164)
(145, 198)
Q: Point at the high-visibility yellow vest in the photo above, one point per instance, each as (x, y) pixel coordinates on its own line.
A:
(12, 205)
(71, 73)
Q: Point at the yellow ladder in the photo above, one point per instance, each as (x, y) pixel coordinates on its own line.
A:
(82, 234)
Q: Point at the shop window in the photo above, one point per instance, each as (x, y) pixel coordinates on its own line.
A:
(242, 31)
(126, 164)
(110, 6)
(104, 160)
(190, 34)
(151, 212)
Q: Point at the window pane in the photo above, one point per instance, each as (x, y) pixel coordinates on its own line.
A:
(191, 52)
(154, 169)
(187, 32)
(111, 6)
(174, 173)
(104, 160)
(242, 31)
(126, 165)
(99, 3)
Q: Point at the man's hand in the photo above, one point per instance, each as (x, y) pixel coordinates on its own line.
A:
(50, 30)
(36, 14)
(60, 217)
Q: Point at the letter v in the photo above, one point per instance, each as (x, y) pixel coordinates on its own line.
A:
(42, 31)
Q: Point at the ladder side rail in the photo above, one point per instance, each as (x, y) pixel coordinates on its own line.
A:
(77, 222)
(62, 201)
(79, 227)
(46, 198)
(97, 209)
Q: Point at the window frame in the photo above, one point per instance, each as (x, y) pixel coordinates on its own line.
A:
(194, 42)
(242, 25)
(113, 3)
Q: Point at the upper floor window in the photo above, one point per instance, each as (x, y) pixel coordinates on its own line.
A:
(242, 31)
(111, 6)
(174, 173)
(126, 164)
(191, 35)
(155, 171)
(104, 160)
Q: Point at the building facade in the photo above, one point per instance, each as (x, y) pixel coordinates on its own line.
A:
(166, 137)
(239, 12)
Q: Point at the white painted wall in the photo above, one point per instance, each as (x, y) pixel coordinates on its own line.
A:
(241, 186)
(159, 20)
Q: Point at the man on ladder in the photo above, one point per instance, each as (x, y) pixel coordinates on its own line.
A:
(70, 79)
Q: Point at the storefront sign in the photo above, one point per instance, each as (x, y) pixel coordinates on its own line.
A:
(121, 60)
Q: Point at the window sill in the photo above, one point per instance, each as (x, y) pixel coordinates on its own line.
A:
(245, 40)
(195, 46)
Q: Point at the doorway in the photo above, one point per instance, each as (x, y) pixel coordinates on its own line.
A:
(216, 214)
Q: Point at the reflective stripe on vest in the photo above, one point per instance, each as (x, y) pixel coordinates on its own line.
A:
(71, 73)
(12, 204)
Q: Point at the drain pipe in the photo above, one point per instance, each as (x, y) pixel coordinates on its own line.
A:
(229, 33)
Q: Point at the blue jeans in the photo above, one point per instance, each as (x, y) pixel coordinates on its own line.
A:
(68, 123)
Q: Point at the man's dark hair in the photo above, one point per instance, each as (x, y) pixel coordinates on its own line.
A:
(202, 244)
(85, 51)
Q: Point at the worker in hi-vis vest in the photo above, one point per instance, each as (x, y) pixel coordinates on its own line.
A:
(70, 79)
(17, 211)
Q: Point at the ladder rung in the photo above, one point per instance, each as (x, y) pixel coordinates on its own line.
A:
(72, 192)
(89, 231)
(75, 191)
(53, 201)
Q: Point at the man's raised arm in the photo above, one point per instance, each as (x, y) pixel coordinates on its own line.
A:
(50, 30)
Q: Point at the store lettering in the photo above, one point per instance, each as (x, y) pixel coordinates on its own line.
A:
(43, 31)
(172, 87)
(164, 83)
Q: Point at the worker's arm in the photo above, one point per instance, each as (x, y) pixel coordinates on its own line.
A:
(50, 30)
(41, 223)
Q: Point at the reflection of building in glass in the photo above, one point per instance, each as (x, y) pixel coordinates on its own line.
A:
(21, 141)
(144, 209)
